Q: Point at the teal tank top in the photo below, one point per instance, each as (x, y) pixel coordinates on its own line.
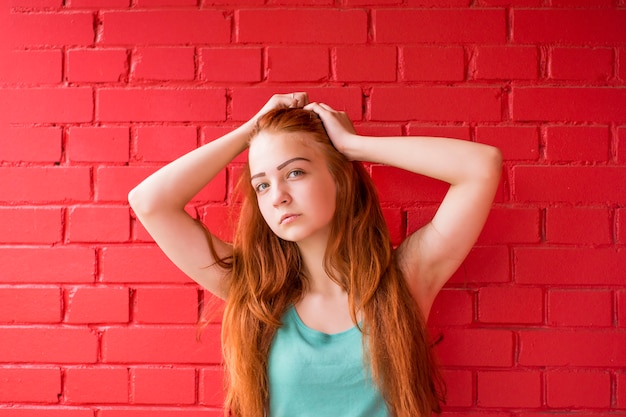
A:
(314, 374)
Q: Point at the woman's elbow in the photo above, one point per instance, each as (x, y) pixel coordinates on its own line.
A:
(139, 201)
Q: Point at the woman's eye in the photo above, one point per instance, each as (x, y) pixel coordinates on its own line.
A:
(260, 187)
(295, 173)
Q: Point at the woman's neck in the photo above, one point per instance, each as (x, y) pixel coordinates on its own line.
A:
(319, 281)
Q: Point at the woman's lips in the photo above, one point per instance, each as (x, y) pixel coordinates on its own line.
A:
(288, 218)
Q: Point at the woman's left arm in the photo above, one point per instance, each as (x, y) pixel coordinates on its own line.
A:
(430, 255)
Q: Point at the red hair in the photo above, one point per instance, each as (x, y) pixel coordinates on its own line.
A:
(266, 277)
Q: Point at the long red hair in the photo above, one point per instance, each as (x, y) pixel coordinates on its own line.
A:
(266, 277)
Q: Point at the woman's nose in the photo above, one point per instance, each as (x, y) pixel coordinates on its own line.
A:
(280, 195)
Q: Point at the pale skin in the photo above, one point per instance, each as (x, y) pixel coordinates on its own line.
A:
(428, 257)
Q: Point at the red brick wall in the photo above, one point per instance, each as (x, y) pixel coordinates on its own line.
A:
(95, 322)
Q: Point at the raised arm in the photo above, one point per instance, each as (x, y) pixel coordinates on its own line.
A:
(430, 255)
(159, 201)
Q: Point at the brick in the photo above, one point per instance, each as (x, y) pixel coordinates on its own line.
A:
(510, 305)
(511, 389)
(579, 225)
(34, 67)
(402, 187)
(154, 385)
(432, 63)
(98, 224)
(234, 176)
(574, 184)
(114, 183)
(589, 308)
(297, 63)
(30, 305)
(231, 64)
(166, 305)
(578, 389)
(147, 63)
(621, 309)
(581, 64)
(44, 184)
(164, 27)
(48, 105)
(582, 3)
(142, 264)
(622, 64)
(53, 29)
(161, 345)
(164, 143)
(475, 347)
(565, 104)
(421, 216)
(594, 348)
(30, 224)
(567, 143)
(517, 143)
(98, 144)
(396, 224)
(220, 220)
(300, 2)
(621, 142)
(39, 385)
(620, 225)
(43, 411)
(489, 264)
(506, 63)
(211, 386)
(621, 390)
(452, 307)
(150, 411)
(54, 265)
(97, 65)
(97, 3)
(37, 4)
(96, 385)
(574, 26)
(522, 225)
(246, 102)
(459, 388)
(439, 26)
(379, 129)
(375, 64)
(32, 144)
(352, 3)
(161, 3)
(210, 133)
(97, 305)
(436, 3)
(456, 132)
(160, 104)
(569, 266)
(319, 26)
(34, 345)
(525, 3)
(435, 103)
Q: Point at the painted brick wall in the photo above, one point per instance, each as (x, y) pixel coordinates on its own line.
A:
(95, 322)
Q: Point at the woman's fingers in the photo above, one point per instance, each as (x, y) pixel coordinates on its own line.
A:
(297, 99)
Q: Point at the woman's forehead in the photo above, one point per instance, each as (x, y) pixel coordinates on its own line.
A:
(266, 147)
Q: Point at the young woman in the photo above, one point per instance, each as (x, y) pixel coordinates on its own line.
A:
(323, 317)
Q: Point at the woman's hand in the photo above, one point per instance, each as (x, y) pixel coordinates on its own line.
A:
(339, 128)
(280, 101)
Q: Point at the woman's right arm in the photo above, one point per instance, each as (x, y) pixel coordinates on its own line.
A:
(159, 201)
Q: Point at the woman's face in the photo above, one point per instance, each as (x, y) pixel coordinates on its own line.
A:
(295, 191)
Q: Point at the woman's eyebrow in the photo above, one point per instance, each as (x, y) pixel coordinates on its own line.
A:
(281, 166)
